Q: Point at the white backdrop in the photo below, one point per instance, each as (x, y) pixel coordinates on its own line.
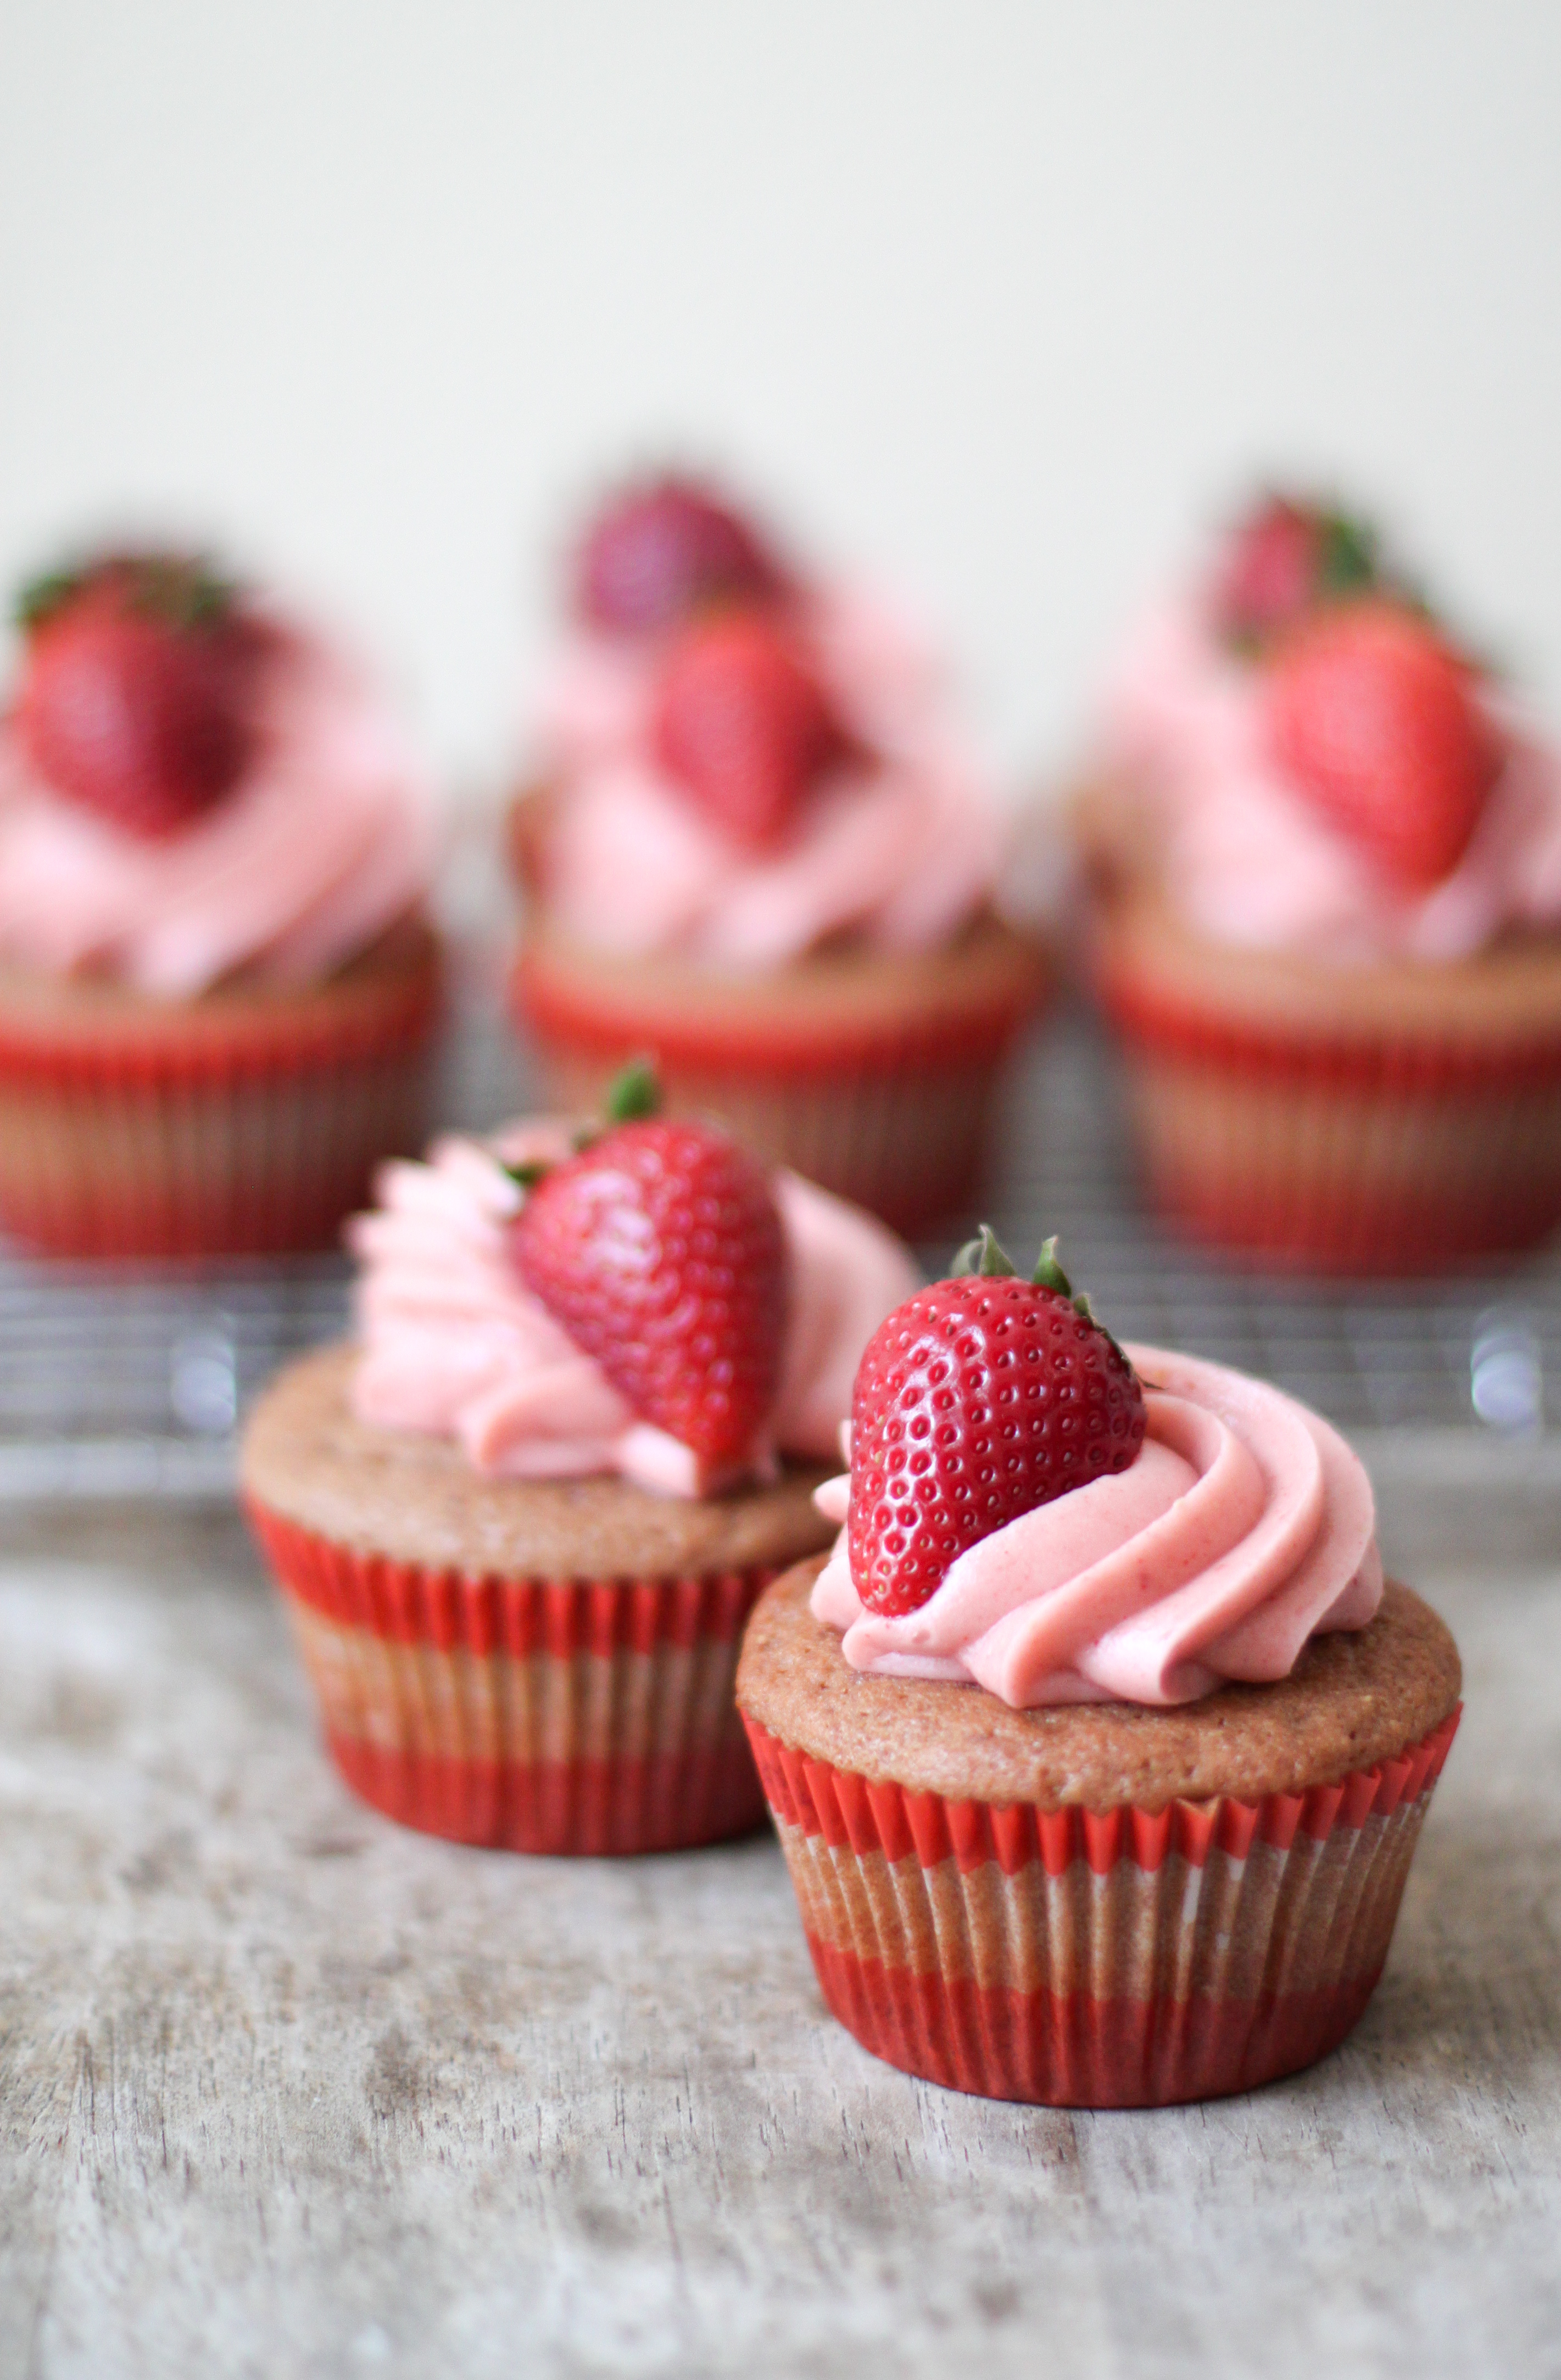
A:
(996, 298)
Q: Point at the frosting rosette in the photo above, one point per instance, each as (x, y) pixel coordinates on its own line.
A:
(454, 1345)
(1249, 861)
(1244, 1526)
(898, 843)
(326, 840)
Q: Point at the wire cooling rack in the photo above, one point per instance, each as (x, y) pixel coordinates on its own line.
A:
(117, 1380)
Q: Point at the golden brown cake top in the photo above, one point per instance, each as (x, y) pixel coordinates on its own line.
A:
(1351, 1700)
(418, 1498)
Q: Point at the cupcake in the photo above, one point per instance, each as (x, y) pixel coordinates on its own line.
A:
(758, 845)
(1097, 1746)
(218, 987)
(520, 1524)
(1325, 849)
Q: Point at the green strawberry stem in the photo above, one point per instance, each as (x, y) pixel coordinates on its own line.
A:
(1348, 560)
(526, 1176)
(635, 1093)
(985, 1254)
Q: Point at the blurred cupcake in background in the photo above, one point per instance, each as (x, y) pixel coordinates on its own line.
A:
(520, 1524)
(218, 987)
(760, 846)
(1324, 849)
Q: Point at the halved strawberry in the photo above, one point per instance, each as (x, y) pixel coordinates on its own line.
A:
(137, 685)
(659, 1247)
(743, 724)
(664, 549)
(976, 1400)
(1376, 719)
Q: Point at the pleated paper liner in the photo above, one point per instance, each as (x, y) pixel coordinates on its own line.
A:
(890, 1109)
(1123, 1958)
(1403, 1157)
(217, 1127)
(528, 1714)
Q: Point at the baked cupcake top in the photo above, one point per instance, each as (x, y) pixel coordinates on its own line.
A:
(745, 762)
(192, 784)
(1034, 1509)
(649, 1303)
(1326, 770)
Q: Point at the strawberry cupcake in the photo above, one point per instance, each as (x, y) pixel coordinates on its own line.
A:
(520, 1524)
(1098, 1746)
(218, 987)
(758, 845)
(1324, 847)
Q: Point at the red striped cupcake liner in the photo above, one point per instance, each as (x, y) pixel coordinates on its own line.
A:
(1120, 1959)
(219, 1130)
(576, 1716)
(894, 1114)
(1398, 1154)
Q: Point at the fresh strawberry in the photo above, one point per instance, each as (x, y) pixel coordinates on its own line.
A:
(1375, 719)
(1283, 561)
(976, 1400)
(659, 1249)
(743, 724)
(664, 549)
(135, 698)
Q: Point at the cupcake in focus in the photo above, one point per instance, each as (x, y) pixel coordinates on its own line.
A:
(1098, 1747)
(758, 842)
(1324, 850)
(218, 987)
(520, 1523)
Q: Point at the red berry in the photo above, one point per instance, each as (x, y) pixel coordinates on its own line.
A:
(663, 551)
(1375, 719)
(743, 724)
(976, 1400)
(135, 698)
(660, 1250)
(1283, 560)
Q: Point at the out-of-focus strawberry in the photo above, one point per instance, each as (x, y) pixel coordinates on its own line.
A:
(743, 724)
(1376, 719)
(1285, 559)
(136, 693)
(976, 1400)
(662, 551)
(660, 1250)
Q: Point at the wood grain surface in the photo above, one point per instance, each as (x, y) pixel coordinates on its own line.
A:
(283, 2089)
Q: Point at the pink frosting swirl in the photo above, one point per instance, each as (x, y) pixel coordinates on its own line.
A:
(901, 851)
(454, 1346)
(327, 839)
(1245, 1526)
(1248, 860)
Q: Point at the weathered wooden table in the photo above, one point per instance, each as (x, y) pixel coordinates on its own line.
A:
(287, 2090)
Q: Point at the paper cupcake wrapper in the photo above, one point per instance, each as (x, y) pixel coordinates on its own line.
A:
(528, 1714)
(195, 1135)
(897, 1120)
(1078, 1959)
(1404, 1157)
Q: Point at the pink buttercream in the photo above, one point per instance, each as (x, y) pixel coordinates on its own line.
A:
(901, 849)
(1244, 1526)
(327, 839)
(454, 1346)
(1247, 858)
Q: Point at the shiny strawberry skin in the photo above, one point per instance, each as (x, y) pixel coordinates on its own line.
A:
(976, 1400)
(1375, 719)
(743, 724)
(144, 723)
(660, 553)
(659, 1249)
